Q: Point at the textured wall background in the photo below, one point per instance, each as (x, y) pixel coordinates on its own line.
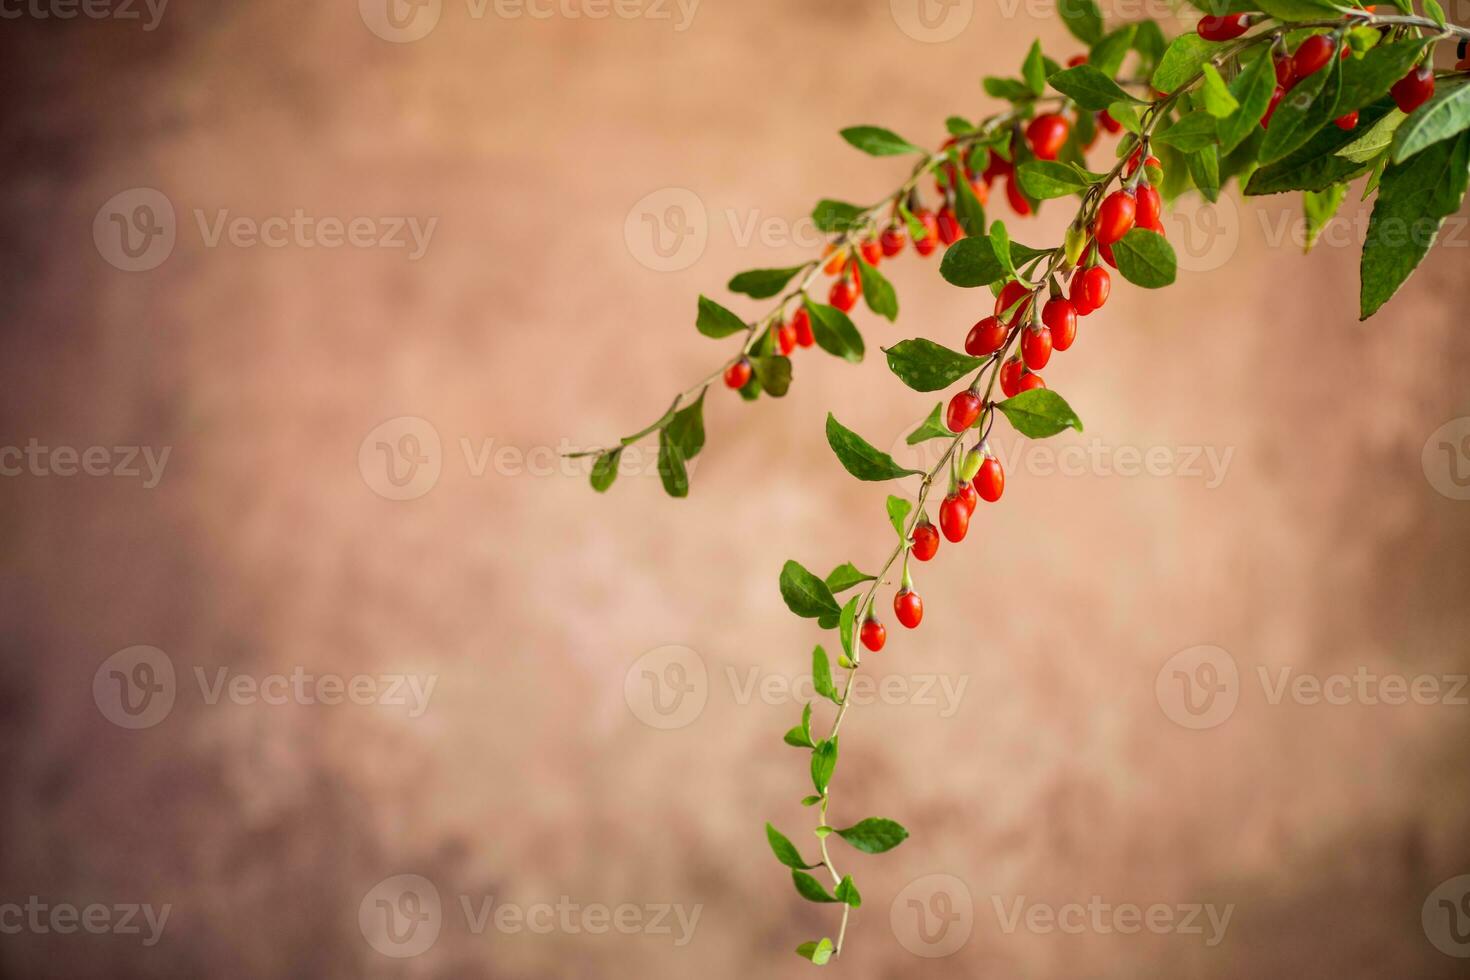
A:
(1318, 541)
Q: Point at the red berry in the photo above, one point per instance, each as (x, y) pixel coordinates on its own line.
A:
(1285, 72)
(873, 634)
(1223, 28)
(1106, 251)
(1276, 96)
(986, 337)
(834, 264)
(981, 189)
(1090, 289)
(1152, 161)
(802, 324)
(908, 607)
(1076, 59)
(990, 482)
(872, 251)
(844, 294)
(1149, 206)
(926, 541)
(1019, 204)
(786, 338)
(1115, 216)
(964, 409)
(949, 226)
(1060, 316)
(1107, 122)
(1313, 53)
(1046, 134)
(954, 518)
(930, 241)
(1078, 295)
(1414, 89)
(1348, 122)
(737, 375)
(1010, 376)
(892, 240)
(1011, 294)
(965, 490)
(1030, 381)
(1036, 347)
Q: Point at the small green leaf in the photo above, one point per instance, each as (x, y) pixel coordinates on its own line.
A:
(716, 321)
(968, 209)
(686, 428)
(812, 800)
(1194, 132)
(877, 291)
(824, 762)
(1145, 258)
(847, 892)
(1251, 90)
(799, 737)
(932, 427)
(835, 332)
(876, 834)
(763, 283)
(959, 126)
(786, 851)
(1445, 115)
(1083, 19)
(1126, 116)
(1006, 88)
(1107, 53)
(809, 888)
(1000, 244)
(605, 470)
(1033, 70)
(1318, 207)
(971, 262)
(1046, 179)
(1374, 139)
(1296, 10)
(822, 675)
(844, 628)
(774, 373)
(833, 216)
(805, 594)
(1039, 413)
(845, 576)
(1435, 12)
(924, 365)
(671, 466)
(1088, 87)
(1204, 170)
(819, 953)
(899, 509)
(1217, 99)
(1310, 105)
(1184, 57)
(859, 457)
(879, 142)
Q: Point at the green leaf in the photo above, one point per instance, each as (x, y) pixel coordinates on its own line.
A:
(824, 762)
(1000, 244)
(1046, 179)
(1006, 88)
(805, 594)
(1033, 70)
(1145, 258)
(932, 427)
(686, 428)
(971, 262)
(716, 321)
(879, 142)
(1204, 169)
(1435, 12)
(1314, 166)
(774, 373)
(1374, 140)
(763, 283)
(1182, 61)
(877, 291)
(786, 851)
(1126, 116)
(1107, 53)
(822, 675)
(876, 834)
(899, 510)
(1194, 132)
(845, 576)
(831, 216)
(1149, 42)
(819, 953)
(1083, 19)
(809, 888)
(844, 626)
(1414, 197)
(1088, 87)
(1367, 79)
(968, 209)
(959, 126)
(1445, 115)
(859, 457)
(1296, 10)
(1251, 90)
(801, 735)
(1040, 413)
(605, 470)
(1318, 207)
(1309, 106)
(847, 892)
(1217, 99)
(924, 365)
(671, 466)
(834, 331)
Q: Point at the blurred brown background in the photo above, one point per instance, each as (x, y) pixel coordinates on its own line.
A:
(1326, 539)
